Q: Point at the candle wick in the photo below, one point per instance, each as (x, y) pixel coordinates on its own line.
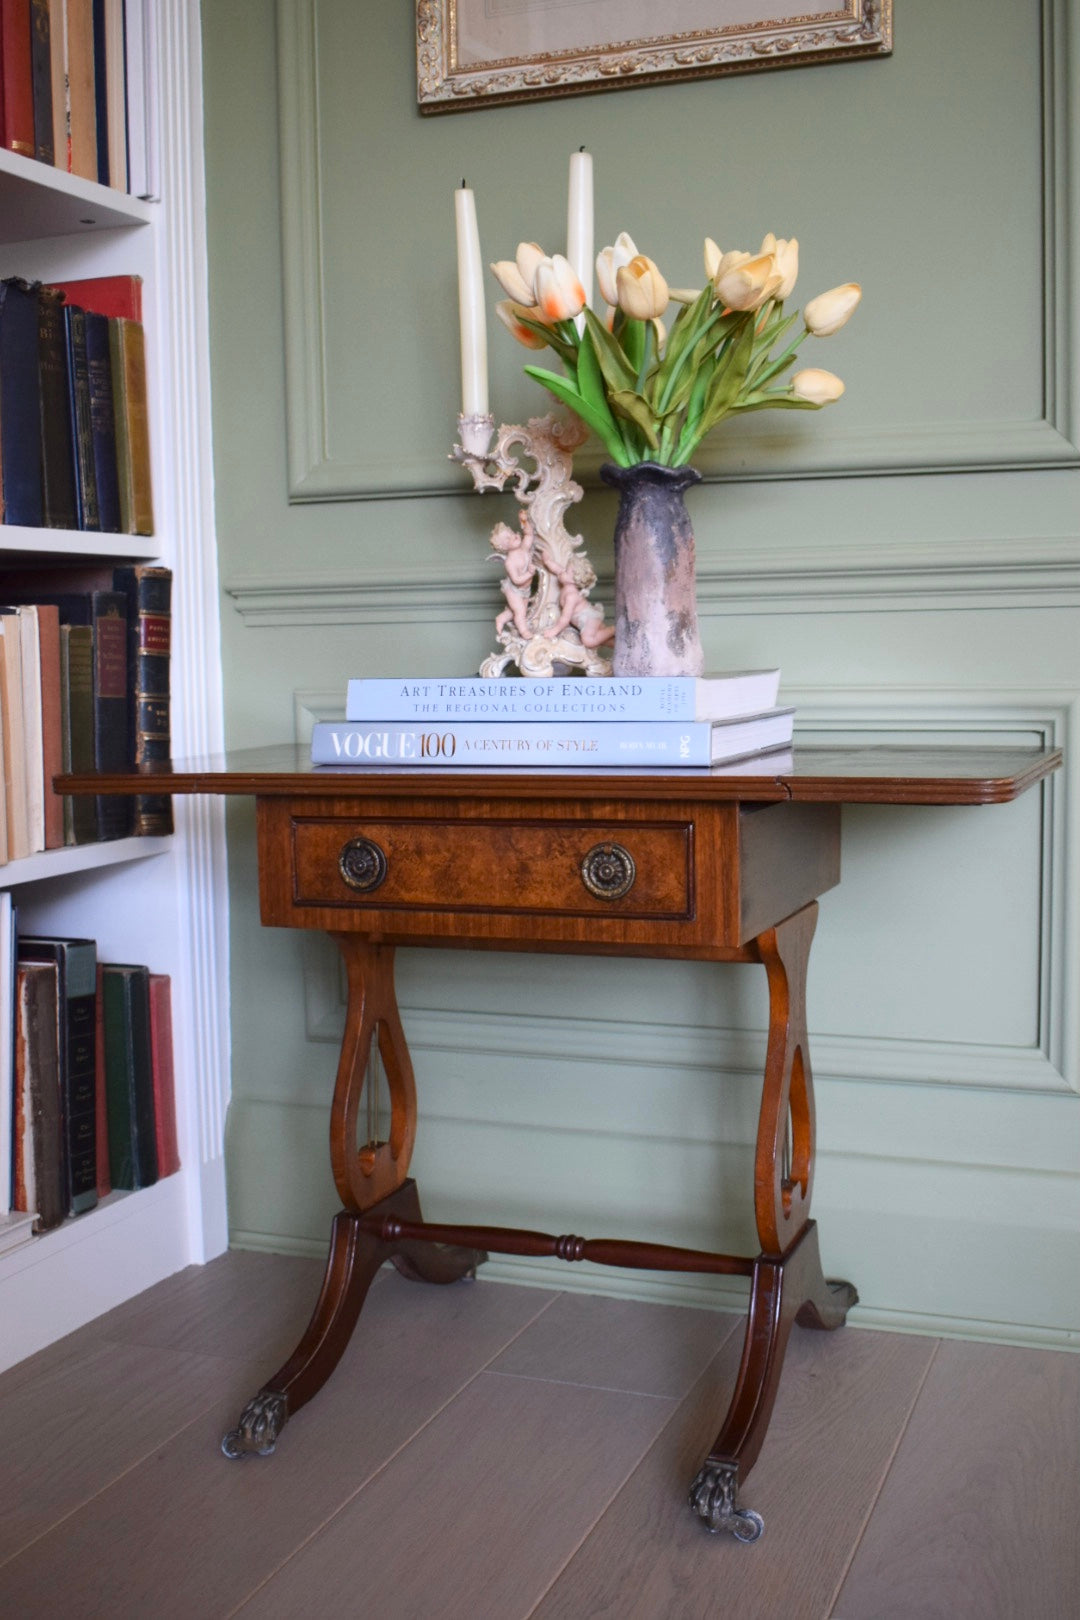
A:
(581, 149)
(463, 186)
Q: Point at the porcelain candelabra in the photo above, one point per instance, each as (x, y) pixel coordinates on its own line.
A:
(549, 624)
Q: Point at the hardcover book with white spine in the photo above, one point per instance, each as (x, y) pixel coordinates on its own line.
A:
(636, 745)
(566, 698)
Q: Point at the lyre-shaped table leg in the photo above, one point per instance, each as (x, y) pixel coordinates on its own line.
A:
(788, 1284)
(371, 1178)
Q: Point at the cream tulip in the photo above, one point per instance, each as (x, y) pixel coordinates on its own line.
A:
(510, 314)
(743, 282)
(642, 290)
(713, 255)
(609, 261)
(831, 310)
(511, 281)
(559, 293)
(816, 387)
(786, 254)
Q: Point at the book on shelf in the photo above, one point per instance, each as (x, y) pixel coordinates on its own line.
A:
(148, 589)
(77, 727)
(7, 1046)
(41, 80)
(129, 1076)
(82, 152)
(75, 962)
(58, 88)
(115, 296)
(127, 346)
(101, 1099)
(20, 403)
(59, 509)
(38, 1152)
(648, 743)
(81, 419)
(16, 77)
(164, 1085)
(566, 698)
(16, 796)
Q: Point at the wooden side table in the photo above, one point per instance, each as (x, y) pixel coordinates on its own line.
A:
(719, 866)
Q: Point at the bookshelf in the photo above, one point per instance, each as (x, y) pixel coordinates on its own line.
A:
(155, 900)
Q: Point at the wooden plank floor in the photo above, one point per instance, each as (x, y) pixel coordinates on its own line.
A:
(494, 1453)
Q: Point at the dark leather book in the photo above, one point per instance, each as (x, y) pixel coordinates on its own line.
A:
(129, 1075)
(17, 76)
(128, 349)
(149, 597)
(57, 451)
(101, 93)
(102, 422)
(82, 427)
(161, 1051)
(77, 727)
(41, 81)
(101, 1100)
(38, 1178)
(20, 403)
(75, 961)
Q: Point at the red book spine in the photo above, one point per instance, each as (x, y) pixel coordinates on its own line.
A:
(116, 296)
(161, 1059)
(18, 115)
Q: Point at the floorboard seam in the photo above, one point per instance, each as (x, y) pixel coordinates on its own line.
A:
(115, 1479)
(736, 1325)
(397, 1451)
(885, 1472)
(585, 1383)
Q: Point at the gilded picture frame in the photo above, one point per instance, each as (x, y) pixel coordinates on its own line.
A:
(482, 53)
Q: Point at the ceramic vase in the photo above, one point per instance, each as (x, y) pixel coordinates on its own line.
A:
(656, 628)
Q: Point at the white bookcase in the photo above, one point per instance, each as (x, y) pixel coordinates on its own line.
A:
(156, 900)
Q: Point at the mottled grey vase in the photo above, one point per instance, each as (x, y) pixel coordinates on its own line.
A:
(656, 629)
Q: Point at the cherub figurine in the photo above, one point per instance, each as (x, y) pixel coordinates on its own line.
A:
(587, 618)
(515, 552)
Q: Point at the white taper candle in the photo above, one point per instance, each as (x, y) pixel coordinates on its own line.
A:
(579, 220)
(474, 378)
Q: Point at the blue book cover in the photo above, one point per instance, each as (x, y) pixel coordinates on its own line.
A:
(102, 422)
(566, 699)
(20, 404)
(535, 745)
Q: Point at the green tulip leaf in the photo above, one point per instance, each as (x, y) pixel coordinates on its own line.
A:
(615, 365)
(633, 342)
(566, 352)
(601, 424)
(634, 409)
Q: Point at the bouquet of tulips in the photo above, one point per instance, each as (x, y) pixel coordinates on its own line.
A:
(651, 394)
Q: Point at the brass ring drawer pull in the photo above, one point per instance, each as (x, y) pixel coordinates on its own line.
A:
(362, 864)
(608, 871)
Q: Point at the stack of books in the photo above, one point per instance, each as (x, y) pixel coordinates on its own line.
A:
(638, 721)
(79, 88)
(87, 1096)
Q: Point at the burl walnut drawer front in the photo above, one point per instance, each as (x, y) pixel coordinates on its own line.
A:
(434, 865)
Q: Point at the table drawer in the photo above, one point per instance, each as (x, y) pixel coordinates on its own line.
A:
(574, 868)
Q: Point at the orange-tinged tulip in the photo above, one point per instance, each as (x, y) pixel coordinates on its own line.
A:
(510, 314)
(816, 387)
(642, 290)
(559, 293)
(831, 310)
(609, 261)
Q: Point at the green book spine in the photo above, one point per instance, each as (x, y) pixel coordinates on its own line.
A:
(129, 1075)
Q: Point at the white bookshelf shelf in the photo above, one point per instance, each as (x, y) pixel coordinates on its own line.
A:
(37, 200)
(54, 863)
(41, 545)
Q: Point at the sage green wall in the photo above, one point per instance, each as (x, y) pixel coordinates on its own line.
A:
(911, 558)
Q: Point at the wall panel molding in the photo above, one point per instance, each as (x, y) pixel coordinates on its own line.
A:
(917, 576)
(849, 716)
(317, 473)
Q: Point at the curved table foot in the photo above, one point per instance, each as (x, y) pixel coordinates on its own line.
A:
(355, 1256)
(785, 1290)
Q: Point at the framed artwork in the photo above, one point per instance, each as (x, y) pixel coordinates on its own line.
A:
(480, 53)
